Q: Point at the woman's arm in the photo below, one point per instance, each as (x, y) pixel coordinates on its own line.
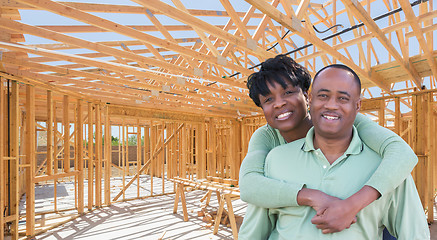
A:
(398, 159)
(257, 189)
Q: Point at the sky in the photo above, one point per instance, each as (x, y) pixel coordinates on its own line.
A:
(47, 18)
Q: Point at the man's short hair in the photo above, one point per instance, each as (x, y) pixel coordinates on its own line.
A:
(344, 67)
(281, 69)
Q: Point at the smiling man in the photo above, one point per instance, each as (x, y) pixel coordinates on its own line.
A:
(333, 159)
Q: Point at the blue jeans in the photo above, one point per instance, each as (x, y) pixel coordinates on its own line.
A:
(386, 235)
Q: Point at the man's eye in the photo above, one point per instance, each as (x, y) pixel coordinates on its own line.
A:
(322, 96)
(343, 99)
(289, 92)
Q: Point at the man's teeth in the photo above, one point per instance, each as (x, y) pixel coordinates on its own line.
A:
(330, 117)
(283, 115)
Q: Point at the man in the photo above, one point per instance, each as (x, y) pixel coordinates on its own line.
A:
(333, 159)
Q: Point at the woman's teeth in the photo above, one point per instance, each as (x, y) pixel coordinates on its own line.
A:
(283, 115)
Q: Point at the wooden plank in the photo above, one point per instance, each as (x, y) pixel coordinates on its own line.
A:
(3, 127)
(430, 136)
(66, 123)
(98, 161)
(49, 123)
(231, 216)
(381, 113)
(138, 155)
(55, 177)
(79, 156)
(219, 214)
(14, 202)
(397, 116)
(30, 159)
(90, 157)
(108, 157)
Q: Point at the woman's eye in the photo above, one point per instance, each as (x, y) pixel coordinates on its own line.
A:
(289, 92)
(267, 100)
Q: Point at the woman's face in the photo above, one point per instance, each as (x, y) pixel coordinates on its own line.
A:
(284, 109)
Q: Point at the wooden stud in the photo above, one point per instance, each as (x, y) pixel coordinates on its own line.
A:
(14, 201)
(108, 157)
(138, 155)
(66, 123)
(397, 116)
(90, 157)
(98, 178)
(430, 160)
(381, 113)
(30, 160)
(79, 156)
(50, 131)
(2, 154)
(124, 145)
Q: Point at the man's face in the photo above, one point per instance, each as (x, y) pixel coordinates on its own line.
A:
(334, 103)
(284, 109)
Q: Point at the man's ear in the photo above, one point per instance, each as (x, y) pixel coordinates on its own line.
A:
(358, 105)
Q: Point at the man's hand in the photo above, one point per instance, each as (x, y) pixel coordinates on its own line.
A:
(335, 216)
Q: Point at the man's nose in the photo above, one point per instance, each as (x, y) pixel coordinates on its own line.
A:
(331, 103)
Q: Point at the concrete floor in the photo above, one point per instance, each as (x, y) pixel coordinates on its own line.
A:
(150, 218)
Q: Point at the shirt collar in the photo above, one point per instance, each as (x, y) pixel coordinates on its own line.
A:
(355, 146)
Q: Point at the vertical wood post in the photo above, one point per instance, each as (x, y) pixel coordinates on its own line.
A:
(66, 122)
(98, 178)
(3, 115)
(79, 156)
(50, 149)
(30, 160)
(90, 157)
(108, 156)
(138, 155)
(430, 159)
(14, 158)
(381, 113)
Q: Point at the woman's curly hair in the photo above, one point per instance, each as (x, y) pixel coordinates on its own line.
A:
(281, 69)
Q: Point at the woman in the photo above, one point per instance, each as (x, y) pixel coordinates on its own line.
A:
(280, 89)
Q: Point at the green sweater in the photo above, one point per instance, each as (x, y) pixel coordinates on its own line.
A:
(398, 160)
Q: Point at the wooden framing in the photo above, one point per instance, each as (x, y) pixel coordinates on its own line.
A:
(182, 96)
(30, 160)
(2, 154)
